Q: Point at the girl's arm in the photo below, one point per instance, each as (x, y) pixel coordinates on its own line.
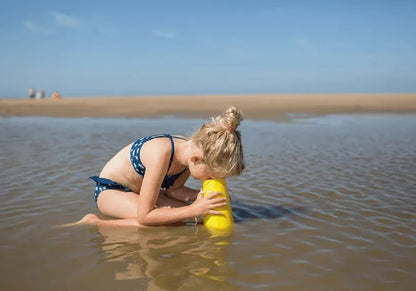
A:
(148, 215)
(166, 215)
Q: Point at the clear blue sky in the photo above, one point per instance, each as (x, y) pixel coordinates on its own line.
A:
(87, 48)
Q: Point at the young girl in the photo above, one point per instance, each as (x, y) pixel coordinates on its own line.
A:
(143, 184)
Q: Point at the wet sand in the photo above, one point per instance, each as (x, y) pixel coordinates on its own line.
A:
(273, 106)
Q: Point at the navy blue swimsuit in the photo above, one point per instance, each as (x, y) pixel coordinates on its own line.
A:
(104, 184)
(138, 165)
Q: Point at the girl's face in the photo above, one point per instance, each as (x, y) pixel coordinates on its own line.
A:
(201, 172)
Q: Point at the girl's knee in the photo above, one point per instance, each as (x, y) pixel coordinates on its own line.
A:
(101, 200)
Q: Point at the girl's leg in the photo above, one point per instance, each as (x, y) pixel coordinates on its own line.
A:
(95, 220)
(123, 205)
(115, 203)
(120, 204)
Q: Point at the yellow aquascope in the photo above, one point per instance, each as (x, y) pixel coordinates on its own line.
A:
(218, 223)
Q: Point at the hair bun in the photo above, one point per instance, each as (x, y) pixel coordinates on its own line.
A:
(230, 119)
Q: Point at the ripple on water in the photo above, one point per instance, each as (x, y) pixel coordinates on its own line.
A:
(323, 205)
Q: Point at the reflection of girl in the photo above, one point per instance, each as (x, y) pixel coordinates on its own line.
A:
(148, 253)
(144, 182)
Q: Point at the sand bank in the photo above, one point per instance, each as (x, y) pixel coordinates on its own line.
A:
(272, 106)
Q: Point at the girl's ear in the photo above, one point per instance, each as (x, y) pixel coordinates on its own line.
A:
(196, 159)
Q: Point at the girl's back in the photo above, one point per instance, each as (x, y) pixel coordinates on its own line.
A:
(120, 170)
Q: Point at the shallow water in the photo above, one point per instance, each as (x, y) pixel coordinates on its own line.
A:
(325, 203)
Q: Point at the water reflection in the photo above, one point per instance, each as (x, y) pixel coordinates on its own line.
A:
(354, 174)
(168, 257)
(181, 256)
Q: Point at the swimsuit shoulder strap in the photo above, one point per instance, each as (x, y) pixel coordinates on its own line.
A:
(173, 150)
(173, 147)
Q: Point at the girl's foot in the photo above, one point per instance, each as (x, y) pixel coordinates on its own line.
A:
(89, 219)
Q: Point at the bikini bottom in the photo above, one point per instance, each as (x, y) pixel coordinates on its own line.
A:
(105, 184)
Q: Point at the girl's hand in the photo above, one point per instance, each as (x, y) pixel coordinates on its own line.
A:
(206, 205)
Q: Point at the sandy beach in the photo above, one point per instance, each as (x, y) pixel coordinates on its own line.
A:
(273, 106)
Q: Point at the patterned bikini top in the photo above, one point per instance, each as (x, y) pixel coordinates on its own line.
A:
(140, 168)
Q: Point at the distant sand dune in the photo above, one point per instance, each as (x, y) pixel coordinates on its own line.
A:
(273, 106)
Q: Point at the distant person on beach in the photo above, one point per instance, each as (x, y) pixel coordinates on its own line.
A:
(143, 184)
(56, 95)
(31, 93)
(40, 94)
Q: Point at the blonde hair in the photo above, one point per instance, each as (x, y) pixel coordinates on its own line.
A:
(220, 142)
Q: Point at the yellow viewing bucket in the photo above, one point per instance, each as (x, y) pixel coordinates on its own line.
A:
(218, 223)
